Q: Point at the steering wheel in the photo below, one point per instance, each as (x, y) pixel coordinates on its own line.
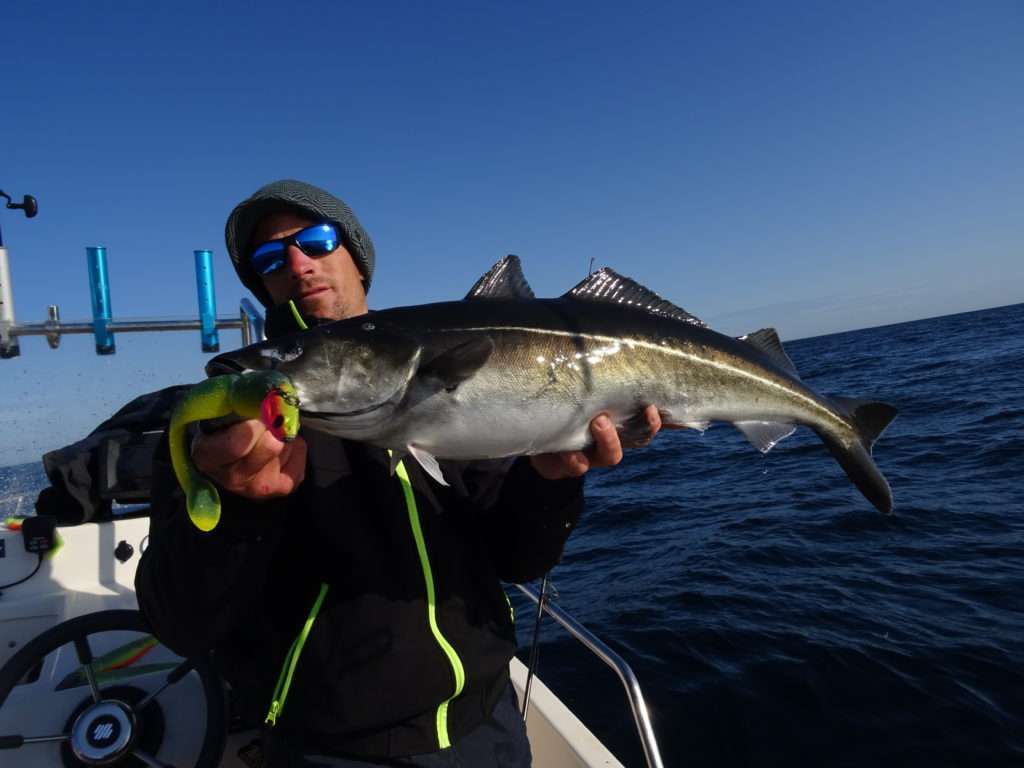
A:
(99, 689)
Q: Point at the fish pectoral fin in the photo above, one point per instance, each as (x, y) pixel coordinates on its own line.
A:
(426, 460)
(764, 435)
(459, 363)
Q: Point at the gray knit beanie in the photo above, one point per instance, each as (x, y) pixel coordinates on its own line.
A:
(302, 198)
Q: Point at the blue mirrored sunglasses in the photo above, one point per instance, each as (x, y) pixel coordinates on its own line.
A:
(315, 241)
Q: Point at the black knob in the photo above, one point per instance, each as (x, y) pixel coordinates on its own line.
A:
(28, 204)
(124, 551)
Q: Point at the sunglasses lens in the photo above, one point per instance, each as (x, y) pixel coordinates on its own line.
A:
(317, 241)
(268, 258)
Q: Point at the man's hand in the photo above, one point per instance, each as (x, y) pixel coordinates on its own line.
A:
(605, 452)
(249, 461)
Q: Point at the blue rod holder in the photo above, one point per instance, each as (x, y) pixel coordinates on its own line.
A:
(99, 289)
(207, 300)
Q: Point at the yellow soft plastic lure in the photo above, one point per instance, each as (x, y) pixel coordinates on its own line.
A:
(265, 395)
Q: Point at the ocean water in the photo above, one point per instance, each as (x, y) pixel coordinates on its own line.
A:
(19, 486)
(772, 616)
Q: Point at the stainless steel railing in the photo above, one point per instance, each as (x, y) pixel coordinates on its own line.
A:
(629, 681)
(249, 322)
(103, 325)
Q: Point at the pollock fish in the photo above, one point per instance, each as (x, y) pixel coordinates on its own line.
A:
(502, 373)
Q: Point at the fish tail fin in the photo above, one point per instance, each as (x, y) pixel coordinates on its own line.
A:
(869, 419)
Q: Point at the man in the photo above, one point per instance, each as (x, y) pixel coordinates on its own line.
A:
(362, 619)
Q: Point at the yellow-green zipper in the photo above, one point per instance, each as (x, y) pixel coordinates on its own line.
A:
(284, 680)
(441, 717)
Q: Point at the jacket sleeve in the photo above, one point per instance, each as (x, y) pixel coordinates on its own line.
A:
(195, 587)
(526, 518)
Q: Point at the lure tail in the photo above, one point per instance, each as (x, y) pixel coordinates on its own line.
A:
(265, 395)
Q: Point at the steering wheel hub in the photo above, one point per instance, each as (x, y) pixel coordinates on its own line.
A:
(121, 724)
(103, 733)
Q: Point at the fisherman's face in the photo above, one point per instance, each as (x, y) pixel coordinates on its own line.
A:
(329, 287)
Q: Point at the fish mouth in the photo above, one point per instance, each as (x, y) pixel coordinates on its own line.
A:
(221, 365)
(391, 400)
(350, 424)
(346, 414)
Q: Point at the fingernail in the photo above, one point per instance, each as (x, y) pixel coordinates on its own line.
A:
(602, 422)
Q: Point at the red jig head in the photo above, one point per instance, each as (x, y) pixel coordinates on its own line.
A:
(279, 411)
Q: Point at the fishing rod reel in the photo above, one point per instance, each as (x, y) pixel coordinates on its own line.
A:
(28, 204)
(8, 343)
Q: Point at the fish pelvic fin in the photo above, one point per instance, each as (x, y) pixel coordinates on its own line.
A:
(869, 420)
(428, 462)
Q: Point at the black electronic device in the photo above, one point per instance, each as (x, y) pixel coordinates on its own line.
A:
(39, 533)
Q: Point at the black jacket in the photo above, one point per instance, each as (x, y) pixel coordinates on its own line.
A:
(373, 674)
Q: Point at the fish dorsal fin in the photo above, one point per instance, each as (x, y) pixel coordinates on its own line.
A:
(504, 280)
(608, 285)
(767, 341)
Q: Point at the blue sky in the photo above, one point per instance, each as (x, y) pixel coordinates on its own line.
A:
(813, 167)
